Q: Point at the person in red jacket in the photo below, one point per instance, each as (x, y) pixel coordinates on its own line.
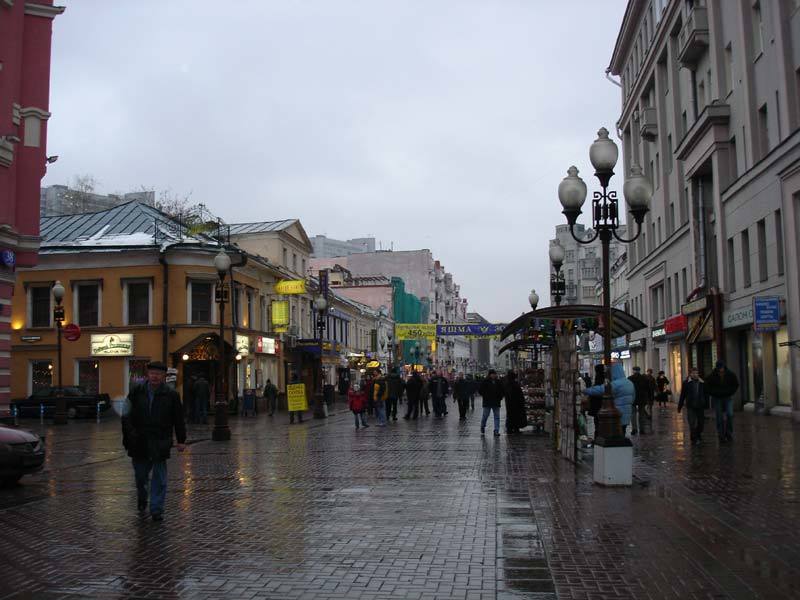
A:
(357, 402)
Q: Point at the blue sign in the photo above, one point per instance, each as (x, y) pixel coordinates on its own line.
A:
(766, 313)
(9, 258)
(469, 329)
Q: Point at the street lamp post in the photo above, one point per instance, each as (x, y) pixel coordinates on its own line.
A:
(638, 192)
(415, 352)
(60, 416)
(321, 306)
(221, 432)
(557, 287)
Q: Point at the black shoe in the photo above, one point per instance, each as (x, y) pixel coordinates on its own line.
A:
(496, 434)
(406, 417)
(141, 505)
(482, 431)
(157, 517)
(394, 418)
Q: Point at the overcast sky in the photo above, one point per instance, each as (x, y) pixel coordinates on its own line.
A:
(441, 124)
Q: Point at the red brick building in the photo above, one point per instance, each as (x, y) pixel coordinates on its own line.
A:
(25, 34)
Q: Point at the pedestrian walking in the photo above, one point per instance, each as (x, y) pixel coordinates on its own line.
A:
(357, 403)
(396, 387)
(380, 393)
(693, 396)
(622, 391)
(201, 392)
(413, 389)
(271, 394)
(492, 393)
(642, 391)
(473, 389)
(461, 394)
(155, 411)
(663, 391)
(423, 397)
(439, 388)
(651, 396)
(516, 418)
(720, 386)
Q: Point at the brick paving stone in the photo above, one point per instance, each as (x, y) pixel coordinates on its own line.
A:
(419, 510)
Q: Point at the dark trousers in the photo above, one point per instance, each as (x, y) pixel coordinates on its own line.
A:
(424, 405)
(158, 485)
(439, 406)
(463, 405)
(272, 405)
(391, 408)
(412, 412)
(696, 417)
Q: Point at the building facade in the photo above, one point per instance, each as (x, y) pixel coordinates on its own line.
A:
(25, 38)
(56, 200)
(711, 112)
(325, 247)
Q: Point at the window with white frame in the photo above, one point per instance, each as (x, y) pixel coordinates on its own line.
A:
(39, 306)
(201, 301)
(137, 302)
(87, 375)
(87, 302)
(40, 375)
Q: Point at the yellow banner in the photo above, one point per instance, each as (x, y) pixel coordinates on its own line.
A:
(280, 313)
(415, 331)
(296, 396)
(291, 286)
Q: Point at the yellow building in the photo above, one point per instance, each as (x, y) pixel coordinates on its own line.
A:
(141, 287)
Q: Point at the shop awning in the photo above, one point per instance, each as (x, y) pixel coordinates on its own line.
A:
(523, 344)
(204, 347)
(622, 323)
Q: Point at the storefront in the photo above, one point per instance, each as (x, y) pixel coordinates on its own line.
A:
(675, 329)
(267, 361)
(658, 350)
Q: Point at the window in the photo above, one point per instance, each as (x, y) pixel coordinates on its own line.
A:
(779, 240)
(39, 306)
(304, 267)
(285, 258)
(669, 296)
(137, 296)
(294, 262)
(746, 257)
(41, 375)
(251, 321)
(758, 31)
(761, 233)
(264, 321)
(88, 296)
(763, 131)
(88, 376)
(201, 299)
(731, 267)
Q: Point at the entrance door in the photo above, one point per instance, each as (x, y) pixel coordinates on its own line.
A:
(197, 368)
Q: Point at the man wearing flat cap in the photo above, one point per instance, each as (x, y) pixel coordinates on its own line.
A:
(154, 412)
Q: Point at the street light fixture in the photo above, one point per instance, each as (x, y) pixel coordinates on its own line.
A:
(60, 416)
(221, 432)
(557, 286)
(321, 306)
(638, 192)
(533, 298)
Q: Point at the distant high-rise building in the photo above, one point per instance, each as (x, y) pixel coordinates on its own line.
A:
(325, 247)
(58, 200)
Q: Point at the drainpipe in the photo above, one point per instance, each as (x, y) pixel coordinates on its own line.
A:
(162, 258)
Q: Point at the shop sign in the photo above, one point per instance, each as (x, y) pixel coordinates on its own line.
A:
(735, 318)
(8, 258)
(766, 313)
(291, 287)
(242, 345)
(31, 339)
(637, 344)
(621, 355)
(658, 332)
(414, 331)
(280, 313)
(696, 306)
(112, 344)
(296, 396)
(472, 329)
(265, 345)
(676, 326)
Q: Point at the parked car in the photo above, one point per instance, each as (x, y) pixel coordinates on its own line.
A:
(21, 452)
(78, 402)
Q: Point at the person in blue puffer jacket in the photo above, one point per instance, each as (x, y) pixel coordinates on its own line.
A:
(623, 391)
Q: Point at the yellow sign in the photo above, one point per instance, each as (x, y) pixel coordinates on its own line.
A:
(291, 286)
(414, 331)
(296, 396)
(280, 313)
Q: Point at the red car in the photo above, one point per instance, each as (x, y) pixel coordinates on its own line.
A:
(21, 452)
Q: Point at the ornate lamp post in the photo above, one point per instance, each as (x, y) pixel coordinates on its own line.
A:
(60, 416)
(638, 192)
(557, 286)
(221, 432)
(321, 306)
(533, 298)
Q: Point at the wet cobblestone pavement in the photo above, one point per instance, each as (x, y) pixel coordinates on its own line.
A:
(417, 510)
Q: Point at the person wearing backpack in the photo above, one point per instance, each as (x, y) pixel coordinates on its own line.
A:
(380, 394)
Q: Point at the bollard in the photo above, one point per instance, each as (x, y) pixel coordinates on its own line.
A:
(41, 413)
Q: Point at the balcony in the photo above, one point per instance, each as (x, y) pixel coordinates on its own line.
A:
(693, 37)
(648, 124)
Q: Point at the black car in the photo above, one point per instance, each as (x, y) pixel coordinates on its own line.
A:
(21, 452)
(79, 403)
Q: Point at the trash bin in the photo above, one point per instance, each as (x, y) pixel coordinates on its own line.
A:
(249, 402)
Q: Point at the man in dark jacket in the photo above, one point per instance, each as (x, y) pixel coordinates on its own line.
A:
(202, 395)
(396, 385)
(693, 395)
(639, 412)
(154, 412)
(439, 388)
(462, 391)
(492, 393)
(413, 388)
(271, 396)
(721, 385)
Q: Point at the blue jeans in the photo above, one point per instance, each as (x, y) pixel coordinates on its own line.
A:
(380, 411)
(158, 487)
(724, 408)
(360, 415)
(485, 417)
